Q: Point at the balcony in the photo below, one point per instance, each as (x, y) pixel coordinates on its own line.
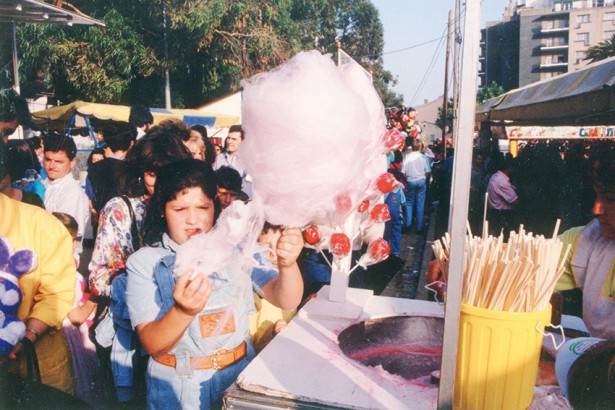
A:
(553, 47)
(555, 65)
(554, 30)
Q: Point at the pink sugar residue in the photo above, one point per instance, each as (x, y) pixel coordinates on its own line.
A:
(395, 350)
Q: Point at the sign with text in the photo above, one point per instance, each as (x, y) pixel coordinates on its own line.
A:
(528, 133)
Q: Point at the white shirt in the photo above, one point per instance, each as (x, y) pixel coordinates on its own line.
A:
(227, 160)
(415, 166)
(65, 195)
(501, 192)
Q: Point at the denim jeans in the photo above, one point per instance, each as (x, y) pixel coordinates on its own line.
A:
(392, 227)
(415, 198)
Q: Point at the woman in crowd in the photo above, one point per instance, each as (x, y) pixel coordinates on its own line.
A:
(119, 236)
(25, 184)
(175, 316)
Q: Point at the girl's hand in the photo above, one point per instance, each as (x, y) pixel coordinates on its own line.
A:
(191, 295)
(289, 246)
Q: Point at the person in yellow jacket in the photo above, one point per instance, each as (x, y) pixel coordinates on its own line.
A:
(48, 290)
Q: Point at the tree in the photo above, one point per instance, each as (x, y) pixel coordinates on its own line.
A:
(440, 122)
(602, 50)
(213, 45)
(487, 92)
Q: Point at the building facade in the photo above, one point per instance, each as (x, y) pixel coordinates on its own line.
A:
(537, 40)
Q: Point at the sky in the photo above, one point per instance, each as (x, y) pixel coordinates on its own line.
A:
(410, 23)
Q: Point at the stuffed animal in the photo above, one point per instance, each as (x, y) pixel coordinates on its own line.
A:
(12, 266)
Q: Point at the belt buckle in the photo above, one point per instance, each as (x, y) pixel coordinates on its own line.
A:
(214, 359)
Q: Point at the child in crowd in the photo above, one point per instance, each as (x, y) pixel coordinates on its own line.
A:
(269, 320)
(89, 378)
(176, 316)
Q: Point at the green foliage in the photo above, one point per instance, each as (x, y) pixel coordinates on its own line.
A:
(212, 46)
(440, 122)
(602, 50)
(486, 93)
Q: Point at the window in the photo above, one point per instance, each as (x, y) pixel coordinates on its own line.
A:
(607, 35)
(580, 56)
(609, 16)
(584, 37)
(582, 18)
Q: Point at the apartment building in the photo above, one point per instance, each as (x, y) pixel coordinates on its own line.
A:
(536, 40)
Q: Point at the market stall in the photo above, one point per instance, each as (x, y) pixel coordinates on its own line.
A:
(79, 113)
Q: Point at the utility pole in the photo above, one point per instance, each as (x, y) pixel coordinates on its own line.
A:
(445, 104)
(167, 80)
(457, 37)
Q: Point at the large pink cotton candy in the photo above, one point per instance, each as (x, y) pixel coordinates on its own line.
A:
(313, 134)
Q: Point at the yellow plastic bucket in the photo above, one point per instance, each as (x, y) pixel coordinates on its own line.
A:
(497, 358)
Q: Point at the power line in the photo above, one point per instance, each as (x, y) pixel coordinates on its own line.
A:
(422, 44)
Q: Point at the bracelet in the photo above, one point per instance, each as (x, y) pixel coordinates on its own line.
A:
(34, 332)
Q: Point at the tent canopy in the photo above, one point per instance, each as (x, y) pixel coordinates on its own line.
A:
(62, 115)
(582, 97)
(33, 11)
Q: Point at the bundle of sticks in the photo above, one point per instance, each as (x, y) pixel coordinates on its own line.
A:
(518, 276)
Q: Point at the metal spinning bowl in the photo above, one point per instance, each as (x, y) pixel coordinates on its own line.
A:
(408, 346)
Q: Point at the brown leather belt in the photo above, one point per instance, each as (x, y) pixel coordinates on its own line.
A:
(219, 360)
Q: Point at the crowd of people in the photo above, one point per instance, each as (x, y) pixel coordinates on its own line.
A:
(130, 331)
(148, 191)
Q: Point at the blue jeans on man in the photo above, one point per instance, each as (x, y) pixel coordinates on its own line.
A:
(415, 199)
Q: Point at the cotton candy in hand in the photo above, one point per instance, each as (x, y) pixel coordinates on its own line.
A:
(313, 131)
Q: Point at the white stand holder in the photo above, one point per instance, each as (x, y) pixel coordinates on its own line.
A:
(340, 271)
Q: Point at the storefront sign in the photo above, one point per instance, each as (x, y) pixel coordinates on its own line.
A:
(526, 133)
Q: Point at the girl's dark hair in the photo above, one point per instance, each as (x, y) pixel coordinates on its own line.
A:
(159, 147)
(170, 181)
(34, 142)
(95, 151)
(20, 159)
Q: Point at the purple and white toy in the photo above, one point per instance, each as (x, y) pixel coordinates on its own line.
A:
(12, 266)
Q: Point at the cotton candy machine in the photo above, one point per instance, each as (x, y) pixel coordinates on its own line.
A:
(408, 346)
(369, 352)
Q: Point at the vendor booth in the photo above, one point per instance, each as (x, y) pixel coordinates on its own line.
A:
(79, 113)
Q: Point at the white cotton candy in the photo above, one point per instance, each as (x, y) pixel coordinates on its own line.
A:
(313, 132)
(229, 246)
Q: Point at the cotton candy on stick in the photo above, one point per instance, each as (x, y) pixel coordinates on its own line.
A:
(314, 134)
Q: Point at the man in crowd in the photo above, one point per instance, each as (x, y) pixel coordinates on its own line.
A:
(502, 200)
(63, 193)
(590, 265)
(49, 289)
(231, 158)
(140, 119)
(416, 170)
